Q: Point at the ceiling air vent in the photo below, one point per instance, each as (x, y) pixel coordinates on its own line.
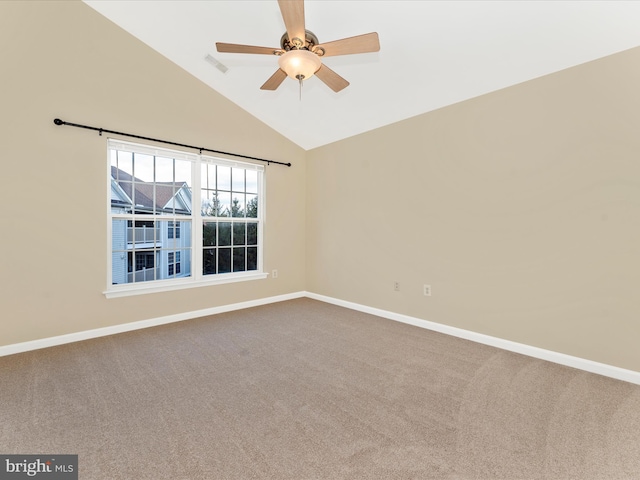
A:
(216, 63)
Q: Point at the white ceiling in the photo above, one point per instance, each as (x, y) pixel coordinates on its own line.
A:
(433, 53)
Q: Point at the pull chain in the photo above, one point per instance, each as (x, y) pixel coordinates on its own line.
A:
(300, 78)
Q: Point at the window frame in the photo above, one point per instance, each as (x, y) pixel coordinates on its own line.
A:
(196, 219)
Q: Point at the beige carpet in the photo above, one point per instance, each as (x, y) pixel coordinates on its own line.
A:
(307, 390)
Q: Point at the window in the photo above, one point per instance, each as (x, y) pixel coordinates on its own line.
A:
(173, 261)
(166, 234)
(230, 219)
(174, 229)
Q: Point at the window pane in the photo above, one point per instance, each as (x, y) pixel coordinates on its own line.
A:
(252, 206)
(182, 199)
(224, 260)
(129, 200)
(239, 259)
(209, 261)
(237, 205)
(143, 167)
(143, 195)
(209, 234)
(224, 178)
(252, 181)
(141, 266)
(239, 233)
(209, 203)
(164, 170)
(224, 233)
(252, 234)
(123, 161)
(237, 176)
(183, 172)
(164, 199)
(224, 204)
(252, 258)
(183, 263)
(208, 176)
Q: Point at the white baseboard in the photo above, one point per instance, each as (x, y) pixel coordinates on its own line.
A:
(535, 352)
(618, 373)
(127, 327)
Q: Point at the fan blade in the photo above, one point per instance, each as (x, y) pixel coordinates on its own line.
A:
(360, 44)
(274, 80)
(293, 16)
(235, 48)
(334, 81)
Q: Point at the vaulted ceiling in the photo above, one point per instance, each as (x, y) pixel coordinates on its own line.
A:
(433, 53)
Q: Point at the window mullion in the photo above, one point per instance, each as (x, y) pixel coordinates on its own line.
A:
(196, 224)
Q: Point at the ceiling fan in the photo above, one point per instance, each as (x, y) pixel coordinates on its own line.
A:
(300, 51)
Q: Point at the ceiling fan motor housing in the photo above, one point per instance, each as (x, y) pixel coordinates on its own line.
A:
(310, 43)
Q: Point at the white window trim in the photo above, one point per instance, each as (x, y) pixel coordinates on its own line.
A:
(181, 284)
(197, 279)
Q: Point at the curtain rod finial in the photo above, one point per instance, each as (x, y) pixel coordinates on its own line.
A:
(57, 121)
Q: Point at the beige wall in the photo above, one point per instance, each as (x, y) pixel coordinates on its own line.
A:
(521, 208)
(62, 59)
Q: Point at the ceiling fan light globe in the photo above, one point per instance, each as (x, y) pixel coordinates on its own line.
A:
(296, 63)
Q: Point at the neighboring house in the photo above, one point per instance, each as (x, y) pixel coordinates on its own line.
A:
(152, 249)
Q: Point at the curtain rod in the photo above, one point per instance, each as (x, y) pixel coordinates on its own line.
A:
(57, 121)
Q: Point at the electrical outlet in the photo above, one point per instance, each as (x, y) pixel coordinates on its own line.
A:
(427, 290)
(396, 286)
(274, 274)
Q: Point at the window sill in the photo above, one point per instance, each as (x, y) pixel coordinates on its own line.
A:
(182, 284)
